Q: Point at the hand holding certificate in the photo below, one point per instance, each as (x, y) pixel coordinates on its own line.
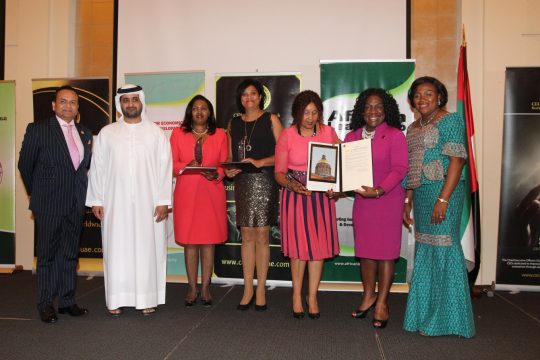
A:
(339, 167)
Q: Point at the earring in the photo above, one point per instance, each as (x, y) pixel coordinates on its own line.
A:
(439, 102)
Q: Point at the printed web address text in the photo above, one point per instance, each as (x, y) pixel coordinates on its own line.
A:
(272, 264)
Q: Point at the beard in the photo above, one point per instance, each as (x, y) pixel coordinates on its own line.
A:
(132, 112)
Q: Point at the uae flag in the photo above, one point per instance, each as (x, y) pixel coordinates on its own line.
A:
(470, 219)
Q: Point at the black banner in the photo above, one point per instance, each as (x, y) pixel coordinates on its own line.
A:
(280, 91)
(518, 255)
(94, 113)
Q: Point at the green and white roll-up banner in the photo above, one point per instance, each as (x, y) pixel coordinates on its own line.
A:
(167, 95)
(341, 83)
(7, 173)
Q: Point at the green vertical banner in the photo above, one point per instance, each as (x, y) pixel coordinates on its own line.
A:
(167, 95)
(341, 83)
(7, 173)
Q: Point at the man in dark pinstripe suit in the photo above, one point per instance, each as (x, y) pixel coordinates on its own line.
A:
(53, 162)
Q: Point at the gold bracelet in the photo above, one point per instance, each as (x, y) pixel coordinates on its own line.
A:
(442, 200)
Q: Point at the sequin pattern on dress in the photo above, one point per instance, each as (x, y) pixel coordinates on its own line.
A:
(434, 240)
(257, 199)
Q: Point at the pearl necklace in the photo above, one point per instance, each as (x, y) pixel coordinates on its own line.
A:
(367, 134)
(199, 134)
(431, 118)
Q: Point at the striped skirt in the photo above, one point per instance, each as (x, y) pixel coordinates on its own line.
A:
(308, 226)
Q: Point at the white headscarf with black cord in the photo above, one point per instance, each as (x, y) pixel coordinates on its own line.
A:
(130, 89)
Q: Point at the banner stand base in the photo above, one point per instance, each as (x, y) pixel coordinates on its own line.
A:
(11, 270)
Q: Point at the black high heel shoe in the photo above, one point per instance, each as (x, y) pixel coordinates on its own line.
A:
(298, 315)
(190, 303)
(260, 307)
(208, 301)
(313, 316)
(382, 323)
(244, 307)
(360, 314)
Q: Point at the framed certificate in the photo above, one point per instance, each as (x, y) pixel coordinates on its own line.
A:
(340, 167)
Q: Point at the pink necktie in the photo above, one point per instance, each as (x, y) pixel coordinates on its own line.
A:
(72, 147)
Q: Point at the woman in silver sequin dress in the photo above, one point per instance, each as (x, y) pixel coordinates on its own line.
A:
(253, 136)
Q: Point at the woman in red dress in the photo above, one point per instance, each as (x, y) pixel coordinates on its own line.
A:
(199, 198)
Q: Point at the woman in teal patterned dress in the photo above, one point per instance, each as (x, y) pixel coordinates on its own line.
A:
(439, 302)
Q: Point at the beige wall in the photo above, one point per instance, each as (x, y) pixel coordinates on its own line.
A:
(435, 40)
(94, 38)
(496, 36)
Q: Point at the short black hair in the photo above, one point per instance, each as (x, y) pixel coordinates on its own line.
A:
(391, 108)
(301, 101)
(188, 117)
(65, 87)
(441, 89)
(243, 86)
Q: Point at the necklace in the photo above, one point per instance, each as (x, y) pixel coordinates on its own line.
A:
(197, 151)
(199, 134)
(247, 139)
(367, 134)
(312, 135)
(431, 118)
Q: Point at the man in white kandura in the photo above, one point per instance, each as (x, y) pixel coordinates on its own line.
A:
(129, 190)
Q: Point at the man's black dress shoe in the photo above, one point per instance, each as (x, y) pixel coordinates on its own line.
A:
(73, 310)
(48, 315)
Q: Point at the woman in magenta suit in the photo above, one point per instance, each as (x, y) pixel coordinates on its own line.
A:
(378, 210)
(308, 219)
(200, 214)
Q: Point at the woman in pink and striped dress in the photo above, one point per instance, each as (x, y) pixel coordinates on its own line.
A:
(308, 219)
